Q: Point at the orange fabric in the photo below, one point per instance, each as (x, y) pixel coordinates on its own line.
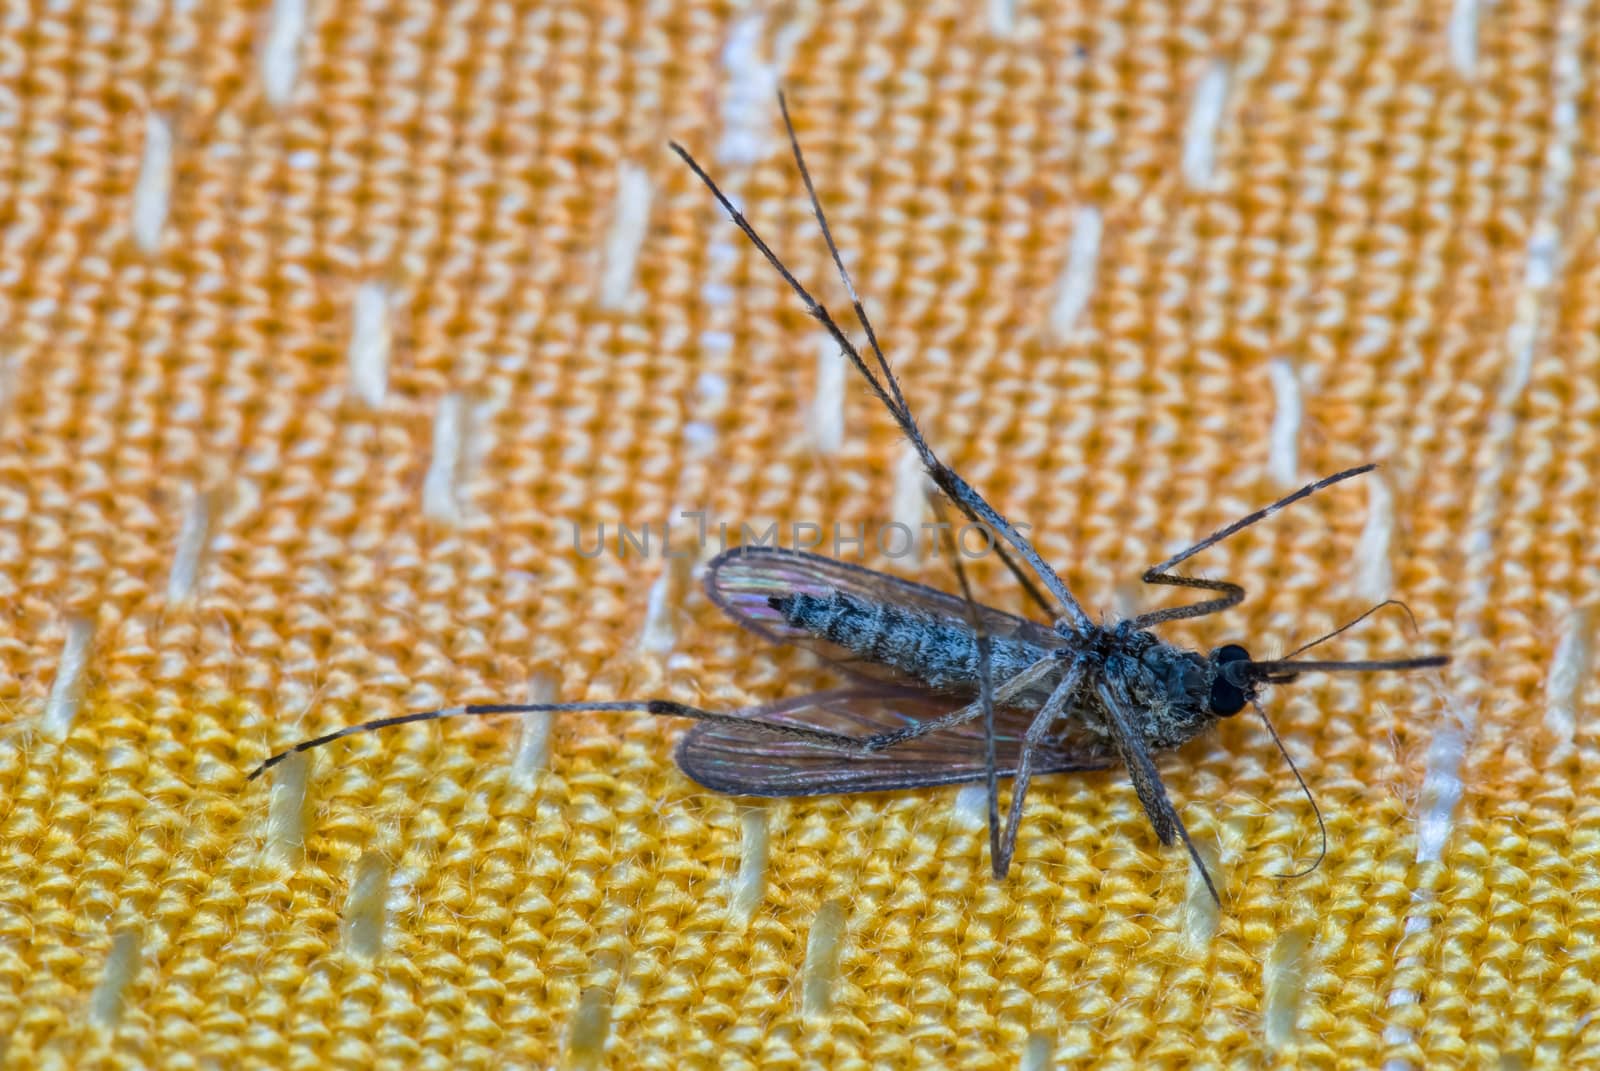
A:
(323, 326)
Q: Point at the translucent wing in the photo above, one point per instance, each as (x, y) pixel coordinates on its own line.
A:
(743, 581)
(749, 762)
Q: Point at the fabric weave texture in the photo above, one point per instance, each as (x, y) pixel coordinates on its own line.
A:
(332, 334)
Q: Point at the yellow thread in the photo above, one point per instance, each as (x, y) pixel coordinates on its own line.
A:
(1406, 219)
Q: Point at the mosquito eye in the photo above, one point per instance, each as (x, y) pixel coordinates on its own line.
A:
(1226, 697)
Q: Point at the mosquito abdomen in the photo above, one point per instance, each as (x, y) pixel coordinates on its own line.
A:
(940, 652)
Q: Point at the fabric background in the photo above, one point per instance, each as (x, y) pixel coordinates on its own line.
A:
(321, 325)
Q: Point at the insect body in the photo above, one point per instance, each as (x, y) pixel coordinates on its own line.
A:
(1181, 691)
(938, 689)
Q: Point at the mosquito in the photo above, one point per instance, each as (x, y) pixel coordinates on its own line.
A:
(938, 689)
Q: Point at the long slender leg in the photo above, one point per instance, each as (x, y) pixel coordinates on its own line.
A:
(659, 707)
(991, 764)
(1146, 778)
(1043, 723)
(1232, 594)
(1007, 690)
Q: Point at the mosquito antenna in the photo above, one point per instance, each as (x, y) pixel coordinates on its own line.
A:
(838, 261)
(661, 707)
(813, 306)
(949, 481)
(1353, 624)
(1321, 825)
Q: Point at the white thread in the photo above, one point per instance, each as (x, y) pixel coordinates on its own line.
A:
(1462, 35)
(533, 742)
(9, 363)
(441, 495)
(818, 973)
(700, 438)
(718, 342)
(1002, 17)
(280, 53)
(752, 86)
(286, 810)
(591, 1025)
(1200, 911)
(827, 408)
(152, 191)
(712, 388)
(371, 338)
(366, 909)
(1522, 336)
(1284, 979)
(909, 503)
(660, 633)
(1200, 134)
(1569, 673)
(1374, 570)
(971, 808)
(1543, 258)
(750, 887)
(1441, 786)
(193, 536)
(66, 692)
(1555, 180)
(1036, 1052)
(630, 219)
(1078, 279)
(753, 82)
(1283, 454)
(122, 965)
(1394, 1034)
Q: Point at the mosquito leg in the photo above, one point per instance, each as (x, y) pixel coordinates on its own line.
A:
(1146, 778)
(1006, 691)
(660, 707)
(1231, 594)
(1042, 725)
(991, 766)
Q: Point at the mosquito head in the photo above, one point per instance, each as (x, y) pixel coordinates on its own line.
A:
(1233, 685)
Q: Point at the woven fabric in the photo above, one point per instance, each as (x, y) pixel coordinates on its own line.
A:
(331, 333)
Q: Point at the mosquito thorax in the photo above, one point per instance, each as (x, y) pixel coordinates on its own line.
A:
(1231, 687)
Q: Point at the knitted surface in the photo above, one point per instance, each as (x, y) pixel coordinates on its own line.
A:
(330, 333)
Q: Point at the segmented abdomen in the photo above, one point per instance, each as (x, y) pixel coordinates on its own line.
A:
(939, 652)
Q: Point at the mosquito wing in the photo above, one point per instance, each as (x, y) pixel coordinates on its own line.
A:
(742, 761)
(743, 581)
